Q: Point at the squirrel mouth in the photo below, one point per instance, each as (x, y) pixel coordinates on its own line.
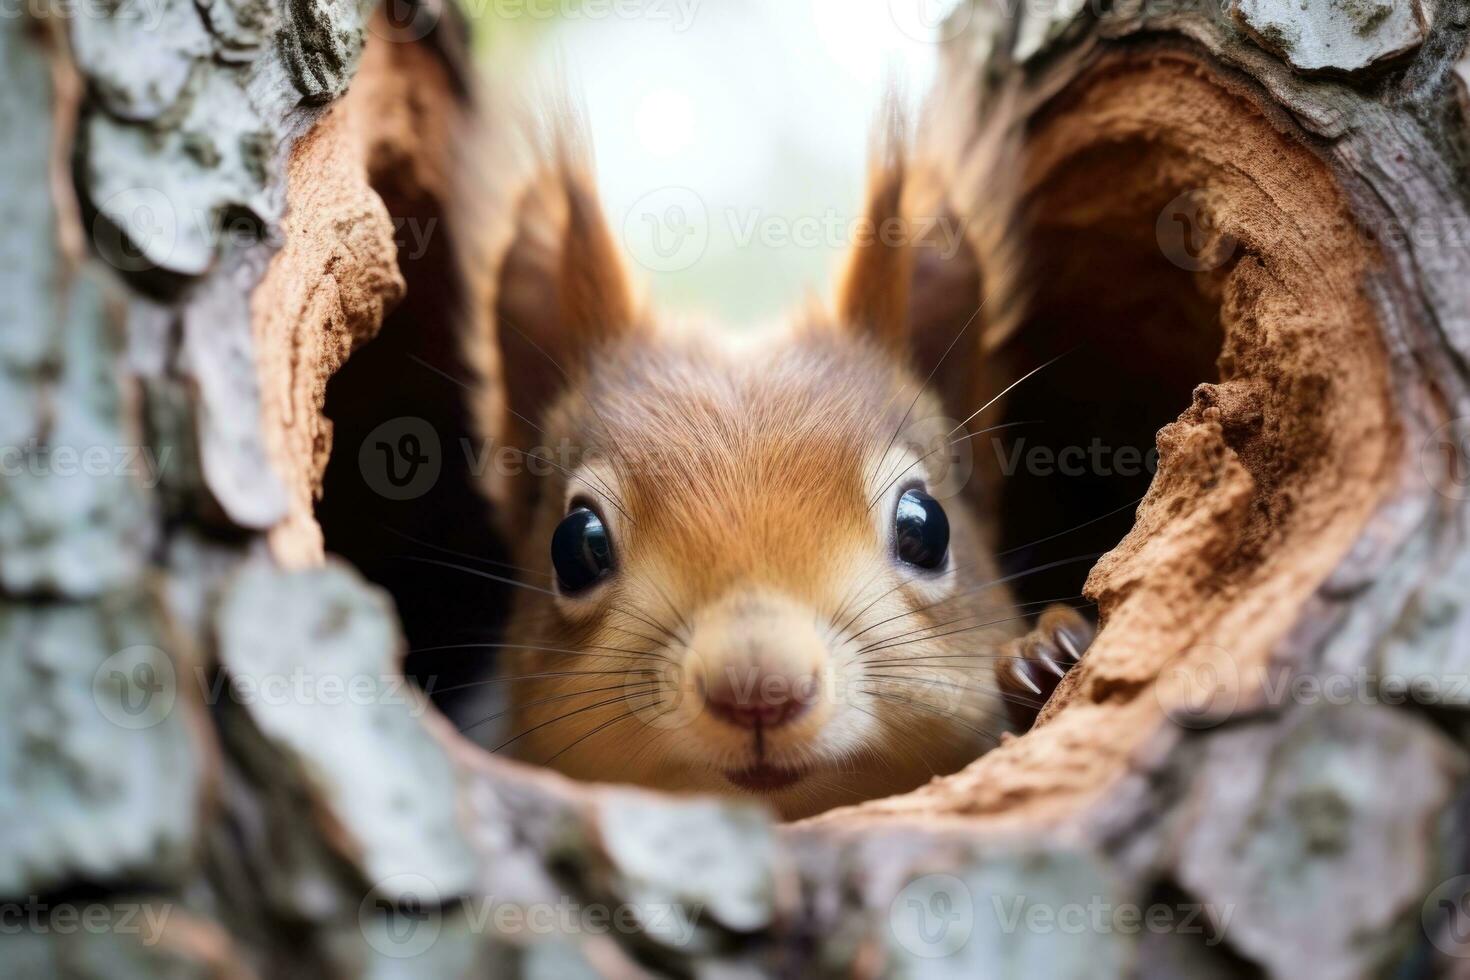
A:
(764, 778)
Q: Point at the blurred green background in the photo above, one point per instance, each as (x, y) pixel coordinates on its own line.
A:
(731, 135)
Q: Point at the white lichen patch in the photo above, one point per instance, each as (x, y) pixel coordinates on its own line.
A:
(1042, 24)
(692, 858)
(1333, 35)
(100, 773)
(312, 658)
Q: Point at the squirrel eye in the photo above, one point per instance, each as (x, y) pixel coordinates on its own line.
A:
(921, 531)
(581, 550)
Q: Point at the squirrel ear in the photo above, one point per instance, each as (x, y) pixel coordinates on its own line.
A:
(945, 311)
(912, 282)
(561, 292)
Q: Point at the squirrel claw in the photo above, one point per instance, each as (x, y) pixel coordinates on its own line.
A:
(1032, 666)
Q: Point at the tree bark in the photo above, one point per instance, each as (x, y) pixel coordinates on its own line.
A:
(1260, 766)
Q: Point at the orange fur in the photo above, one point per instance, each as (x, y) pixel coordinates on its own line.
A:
(750, 497)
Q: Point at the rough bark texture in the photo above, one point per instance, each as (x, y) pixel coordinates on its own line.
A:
(200, 716)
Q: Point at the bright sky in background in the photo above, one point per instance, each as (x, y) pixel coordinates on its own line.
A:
(731, 135)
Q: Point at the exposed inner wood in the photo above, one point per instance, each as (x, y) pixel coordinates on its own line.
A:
(415, 368)
(1264, 482)
(337, 277)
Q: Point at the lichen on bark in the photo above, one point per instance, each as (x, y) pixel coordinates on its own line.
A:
(1296, 525)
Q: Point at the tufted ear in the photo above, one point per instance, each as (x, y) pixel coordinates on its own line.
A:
(912, 280)
(561, 292)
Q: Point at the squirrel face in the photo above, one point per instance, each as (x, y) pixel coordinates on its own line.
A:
(742, 574)
(756, 586)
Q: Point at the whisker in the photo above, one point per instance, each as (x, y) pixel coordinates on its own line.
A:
(879, 495)
(961, 619)
(993, 428)
(642, 636)
(606, 429)
(561, 697)
(988, 715)
(611, 654)
(679, 619)
(599, 486)
(442, 373)
(934, 660)
(470, 388)
(853, 595)
(651, 621)
(888, 764)
(972, 688)
(482, 574)
(1045, 567)
(517, 583)
(932, 372)
(647, 620)
(462, 554)
(885, 594)
(928, 658)
(1008, 388)
(1014, 576)
(570, 714)
(936, 636)
(991, 715)
(888, 592)
(948, 715)
(524, 585)
(1019, 605)
(1075, 527)
(546, 673)
(607, 724)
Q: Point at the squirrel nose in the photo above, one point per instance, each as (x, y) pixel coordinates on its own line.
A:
(756, 660)
(758, 699)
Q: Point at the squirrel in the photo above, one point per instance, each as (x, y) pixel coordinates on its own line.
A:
(738, 573)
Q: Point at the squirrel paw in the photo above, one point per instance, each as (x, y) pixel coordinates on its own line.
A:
(1031, 667)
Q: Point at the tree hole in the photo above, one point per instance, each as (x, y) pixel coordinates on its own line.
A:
(400, 498)
(1129, 330)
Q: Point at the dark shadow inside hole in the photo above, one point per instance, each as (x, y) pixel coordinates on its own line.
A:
(399, 492)
(1136, 333)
